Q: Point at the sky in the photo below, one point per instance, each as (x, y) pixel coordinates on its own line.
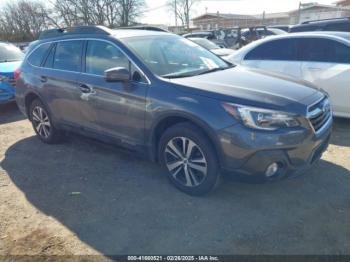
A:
(160, 14)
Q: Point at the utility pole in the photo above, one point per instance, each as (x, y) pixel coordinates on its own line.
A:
(263, 18)
(299, 12)
(218, 19)
(176, 13)
(187, 16)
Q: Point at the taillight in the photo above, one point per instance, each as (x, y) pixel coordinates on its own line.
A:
(17, 74)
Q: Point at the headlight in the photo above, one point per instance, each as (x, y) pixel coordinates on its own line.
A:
(259, 118)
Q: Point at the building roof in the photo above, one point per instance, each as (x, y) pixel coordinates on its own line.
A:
(273, 15)
(225, 16)
(341, 2)
(316, 5)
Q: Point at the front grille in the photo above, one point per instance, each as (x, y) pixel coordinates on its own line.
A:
(319, 114)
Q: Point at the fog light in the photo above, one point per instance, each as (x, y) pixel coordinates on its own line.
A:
(271, 170)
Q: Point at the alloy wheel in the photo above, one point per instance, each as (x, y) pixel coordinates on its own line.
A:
(186, 161)
(41, 122)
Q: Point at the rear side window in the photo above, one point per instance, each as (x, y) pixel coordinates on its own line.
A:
(323, 50)
(39, 54)
(279, 50)
(68, 55)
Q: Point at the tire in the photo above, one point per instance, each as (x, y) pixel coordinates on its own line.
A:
(42, 123)
(194, 170)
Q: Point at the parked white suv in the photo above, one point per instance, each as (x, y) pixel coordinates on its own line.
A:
(322, 58)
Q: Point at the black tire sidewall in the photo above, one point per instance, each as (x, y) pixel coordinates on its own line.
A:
(195, 134)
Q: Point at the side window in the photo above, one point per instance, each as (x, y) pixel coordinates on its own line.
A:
(345, 27)
(284, 49)
(101, 56)
(37, 57)
(68, 55)
(323, 50)
(341, 53)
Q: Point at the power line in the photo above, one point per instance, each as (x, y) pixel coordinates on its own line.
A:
(152, 9)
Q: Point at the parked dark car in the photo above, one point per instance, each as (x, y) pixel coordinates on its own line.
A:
(336, 24)
(174, 101)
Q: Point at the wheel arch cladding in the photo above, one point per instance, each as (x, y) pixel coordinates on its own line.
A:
(167, 122)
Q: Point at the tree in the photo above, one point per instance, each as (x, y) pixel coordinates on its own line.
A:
(183, 10)
(130, 10)
(24, 20)
(110, 13)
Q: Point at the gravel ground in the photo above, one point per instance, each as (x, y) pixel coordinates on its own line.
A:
(85, 198)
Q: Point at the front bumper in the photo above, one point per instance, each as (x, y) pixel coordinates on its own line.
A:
(250, 152)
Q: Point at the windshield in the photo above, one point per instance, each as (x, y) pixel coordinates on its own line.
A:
(172, 56)
(10, 53)
(205, 43)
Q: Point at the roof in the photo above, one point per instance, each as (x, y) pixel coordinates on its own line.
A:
(225, 16)
(316, 5)
(125, 33)
(340, 2)
(343, 35)
(97, 30)
(274, 15)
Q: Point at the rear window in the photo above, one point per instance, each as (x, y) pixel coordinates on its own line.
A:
(37, 57)
(68, 55)
(10, 53)
(323, 50)
(284, 49)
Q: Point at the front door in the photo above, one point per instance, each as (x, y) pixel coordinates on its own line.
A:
(118, 107)
(278, 56)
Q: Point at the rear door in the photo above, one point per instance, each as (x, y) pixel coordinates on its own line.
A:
(60, 77)
(276, 56)
(327, 65)
(118, 107)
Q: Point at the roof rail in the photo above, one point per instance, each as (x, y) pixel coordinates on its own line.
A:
(329, 19)
(75, 30)
(144, 27)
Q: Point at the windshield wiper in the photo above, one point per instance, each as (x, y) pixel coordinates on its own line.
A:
(171, 76)
(216, 69)
(211, 71)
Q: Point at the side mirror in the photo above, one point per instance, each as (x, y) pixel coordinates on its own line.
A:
(117, 74)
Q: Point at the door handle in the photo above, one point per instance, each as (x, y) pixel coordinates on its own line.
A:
(314, 68)
(85, 89)
(43, 79)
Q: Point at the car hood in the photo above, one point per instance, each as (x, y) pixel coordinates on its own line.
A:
(8, 68)
(252, 87)
(223, 51)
